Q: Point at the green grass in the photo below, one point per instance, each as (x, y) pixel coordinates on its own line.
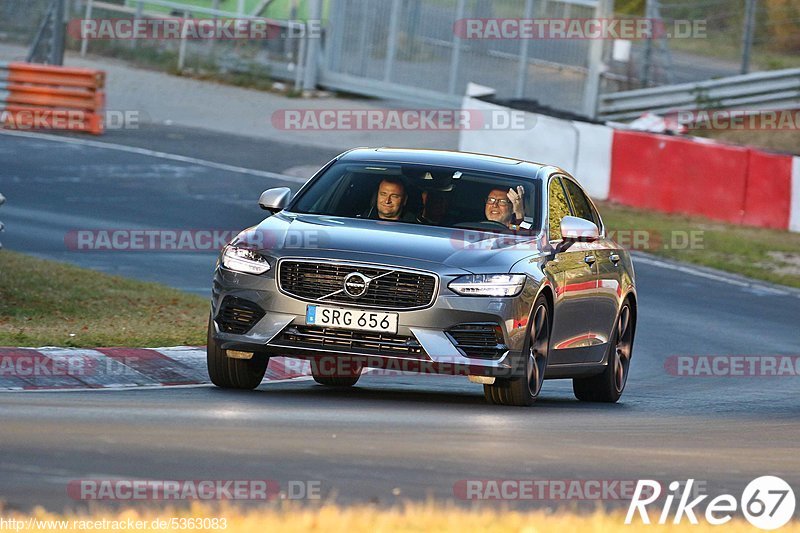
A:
(765, 254)
(48, 303)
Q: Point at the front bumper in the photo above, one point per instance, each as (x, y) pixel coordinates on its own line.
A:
(431, 347)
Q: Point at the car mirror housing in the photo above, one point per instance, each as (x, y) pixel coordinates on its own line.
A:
(275, 200)
(576, 229)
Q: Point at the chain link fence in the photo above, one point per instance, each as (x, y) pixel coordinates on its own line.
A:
(718, 48)
(410, 49)
(413, 44)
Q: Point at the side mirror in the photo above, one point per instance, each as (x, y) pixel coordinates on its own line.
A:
(274, 200)
(576, 229)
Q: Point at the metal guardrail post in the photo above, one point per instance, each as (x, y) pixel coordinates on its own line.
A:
(87, 16)
(137, 16)
(182, 45)
(312, 50)
(747, 36)
(391, 40)
(455, 61)
(59, 34)
(524, 46)
(591, 94)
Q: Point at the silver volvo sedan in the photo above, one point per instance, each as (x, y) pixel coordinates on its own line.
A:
(429, 261)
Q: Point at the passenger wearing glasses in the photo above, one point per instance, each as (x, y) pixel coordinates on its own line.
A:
(506, 207)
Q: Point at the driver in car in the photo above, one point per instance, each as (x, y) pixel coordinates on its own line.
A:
(506, 207)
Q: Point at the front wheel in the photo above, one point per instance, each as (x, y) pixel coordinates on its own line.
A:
(524, 389)
(233, 373)
(608, 386)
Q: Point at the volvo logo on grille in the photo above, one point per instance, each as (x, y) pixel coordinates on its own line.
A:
(356, 284)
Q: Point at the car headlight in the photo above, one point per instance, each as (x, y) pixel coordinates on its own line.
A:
(244, 260)
(488, 284)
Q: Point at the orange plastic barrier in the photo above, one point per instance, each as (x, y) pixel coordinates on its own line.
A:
(34, 96)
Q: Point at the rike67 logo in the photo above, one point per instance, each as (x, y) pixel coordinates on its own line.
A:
(767, 502)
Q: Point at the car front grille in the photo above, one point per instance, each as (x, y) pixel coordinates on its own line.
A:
(395, 289)
(479, 341)
(238, 316)
(362, 342)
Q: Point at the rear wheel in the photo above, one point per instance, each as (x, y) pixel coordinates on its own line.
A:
(608, 386)
(341, 373)
(233, 373)
(524, 388)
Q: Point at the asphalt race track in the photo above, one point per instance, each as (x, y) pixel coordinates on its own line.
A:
(388, 439)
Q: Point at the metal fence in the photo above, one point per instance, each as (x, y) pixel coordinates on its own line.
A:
(408, 48)
(772, 90)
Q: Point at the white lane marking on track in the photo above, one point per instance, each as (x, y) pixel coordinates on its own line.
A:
(154, 153)
(754, 287)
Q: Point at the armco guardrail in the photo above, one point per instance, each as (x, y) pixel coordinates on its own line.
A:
(776, 89)
(34, 96)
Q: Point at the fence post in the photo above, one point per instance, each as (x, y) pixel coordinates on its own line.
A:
(747, 36)
(300, 61)
(455, 61)
(137, 16)
(591, 94)
(312, 49)
(391, 40)
(182, 46)
(59, 34)
(522, 71)
(87, 16)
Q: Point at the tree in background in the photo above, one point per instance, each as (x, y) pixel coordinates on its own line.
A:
(783, 24)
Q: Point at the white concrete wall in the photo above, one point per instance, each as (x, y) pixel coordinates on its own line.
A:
(794, 207)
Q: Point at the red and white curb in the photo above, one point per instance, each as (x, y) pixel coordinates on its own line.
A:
(51, 368)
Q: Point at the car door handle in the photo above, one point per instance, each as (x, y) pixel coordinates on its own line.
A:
(614, 258)
(589, 259)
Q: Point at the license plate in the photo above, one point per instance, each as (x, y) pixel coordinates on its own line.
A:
(355, 319)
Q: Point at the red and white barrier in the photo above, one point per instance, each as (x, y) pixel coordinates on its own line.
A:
(666, 173)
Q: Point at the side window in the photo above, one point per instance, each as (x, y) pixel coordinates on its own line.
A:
(581, 204)
(559, 208)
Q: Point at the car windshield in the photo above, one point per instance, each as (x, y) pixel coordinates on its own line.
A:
(426, 195)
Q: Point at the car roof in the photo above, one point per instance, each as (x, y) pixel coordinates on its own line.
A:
(446, 158)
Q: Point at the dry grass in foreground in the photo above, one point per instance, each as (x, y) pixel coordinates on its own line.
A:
(410, 517)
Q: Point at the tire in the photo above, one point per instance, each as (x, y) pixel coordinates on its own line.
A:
(608, 386)
(230, 373)
(523, 388)
(346, 373)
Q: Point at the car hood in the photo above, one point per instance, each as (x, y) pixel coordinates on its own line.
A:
(409, 245)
